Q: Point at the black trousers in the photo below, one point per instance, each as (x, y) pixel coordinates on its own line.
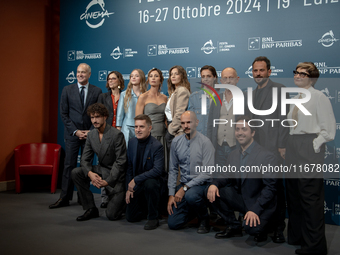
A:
(305, 196)
(71, 157)
(228, 202)
(116, 205)
(145, 201)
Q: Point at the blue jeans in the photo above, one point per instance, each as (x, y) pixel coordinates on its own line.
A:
(193, 204)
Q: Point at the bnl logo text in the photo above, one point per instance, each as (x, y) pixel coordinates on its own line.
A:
(238, 101)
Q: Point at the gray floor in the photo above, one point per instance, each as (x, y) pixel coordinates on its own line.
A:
(28, 227)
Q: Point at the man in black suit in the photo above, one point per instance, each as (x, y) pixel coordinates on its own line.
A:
(108, 144)
(250, 193)
(272, 136)
(143, 177)
(74, 101)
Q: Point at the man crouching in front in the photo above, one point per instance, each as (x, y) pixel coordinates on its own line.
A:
(108, 144)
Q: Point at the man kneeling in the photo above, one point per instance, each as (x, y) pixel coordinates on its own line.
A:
(145, 167)
(108, 144)
(252, 194)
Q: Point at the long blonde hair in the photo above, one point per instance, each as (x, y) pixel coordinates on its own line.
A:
(184, 80)
(128, 93)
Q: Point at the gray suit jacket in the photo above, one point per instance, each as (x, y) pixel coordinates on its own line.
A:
(72, 113)
(111, 154)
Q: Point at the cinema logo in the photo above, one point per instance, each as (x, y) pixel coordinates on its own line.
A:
(97, 17)
(208, 47)
(326, 209)
(116, 53)
(238, 105)
(328, 39)
(71, 77)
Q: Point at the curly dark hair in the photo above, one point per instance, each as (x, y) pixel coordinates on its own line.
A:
(98, 108)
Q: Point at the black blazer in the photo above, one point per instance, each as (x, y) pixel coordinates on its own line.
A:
(270, 137)
(72, 113)
(153, 161)
(105, 99)
(258, 191)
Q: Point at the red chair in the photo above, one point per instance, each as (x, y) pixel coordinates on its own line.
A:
(37, 159)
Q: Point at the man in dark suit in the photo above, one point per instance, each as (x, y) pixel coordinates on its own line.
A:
(145, 167)
(222, 136)
(250, 193)
(108, 144)
(74, 101)
(272, 136)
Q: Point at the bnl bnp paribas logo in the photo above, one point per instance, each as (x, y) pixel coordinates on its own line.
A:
(328, 39)
(95, 14)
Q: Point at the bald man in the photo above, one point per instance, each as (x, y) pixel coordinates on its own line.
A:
(189, 151)
(222, 136)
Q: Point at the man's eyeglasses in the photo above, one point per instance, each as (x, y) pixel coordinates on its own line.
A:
(302, 74)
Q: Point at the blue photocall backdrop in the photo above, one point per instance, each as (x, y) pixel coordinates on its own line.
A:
(124, 35)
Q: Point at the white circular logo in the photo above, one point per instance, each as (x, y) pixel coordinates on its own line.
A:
(208, 47)
(71, 77)
(328, 39)
(116, 53)
(92, 16)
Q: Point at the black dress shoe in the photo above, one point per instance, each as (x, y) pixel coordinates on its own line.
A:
(278, 237)
(302, 252)
(104, 205)
(260, 237)
(204, 227)
(89, 214)
(60, 203)
(229, 232)
(151, 224)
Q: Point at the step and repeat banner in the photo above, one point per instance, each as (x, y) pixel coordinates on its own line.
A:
(126, 34)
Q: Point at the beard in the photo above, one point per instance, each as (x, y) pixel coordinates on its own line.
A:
(262, 81)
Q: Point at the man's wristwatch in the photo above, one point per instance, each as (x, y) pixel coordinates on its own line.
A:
(185, 188)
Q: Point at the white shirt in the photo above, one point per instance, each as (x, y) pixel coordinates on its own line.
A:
(227, 105)
(321, 122)
(168, 110)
